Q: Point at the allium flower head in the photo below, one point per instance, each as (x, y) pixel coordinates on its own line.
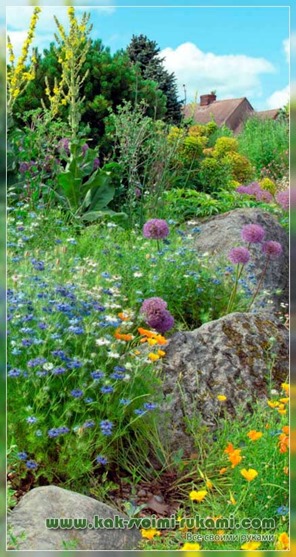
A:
(253, 233)
(161, 322)
(272, 249)
(157, 229)
(282, 198)
(239, 255)
(153, 305)
(156, 314)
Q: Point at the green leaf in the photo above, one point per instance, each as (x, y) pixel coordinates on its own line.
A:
(70, 188)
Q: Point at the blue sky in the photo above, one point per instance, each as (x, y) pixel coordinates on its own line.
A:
(238, 51)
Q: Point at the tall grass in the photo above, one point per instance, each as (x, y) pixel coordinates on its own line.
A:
(265, 143)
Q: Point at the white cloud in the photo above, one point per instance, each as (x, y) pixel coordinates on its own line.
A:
(231, 75)
(289, 46)
(278, 99)
(18, 22)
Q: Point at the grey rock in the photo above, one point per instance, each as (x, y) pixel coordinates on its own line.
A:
(233, 356)
(27, 522)
(220, 234)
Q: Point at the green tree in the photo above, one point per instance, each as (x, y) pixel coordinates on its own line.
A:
(145, 53)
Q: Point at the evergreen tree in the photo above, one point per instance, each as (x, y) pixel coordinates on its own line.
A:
(145, 53)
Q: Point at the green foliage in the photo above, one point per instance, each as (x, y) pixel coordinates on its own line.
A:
(265, 143)
(85, 191)
(144, 53)
(215, 174)
(145, 157)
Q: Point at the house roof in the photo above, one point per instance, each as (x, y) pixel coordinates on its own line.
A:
(220, 111)
(270, 114)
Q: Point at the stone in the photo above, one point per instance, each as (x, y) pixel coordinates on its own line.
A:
(232, 356)
(27, 522)
(221, 233)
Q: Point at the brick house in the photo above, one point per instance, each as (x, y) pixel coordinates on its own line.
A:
(230, 112)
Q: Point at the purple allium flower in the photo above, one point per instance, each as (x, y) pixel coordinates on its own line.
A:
(31, 464)
(22, 456)
(282, 198)
(138, 192)
(153, 305)
(272, 249)
(157, 229)
(264, 195)
(102, 460)
(253, 233)
(156, 314)
(76, 393)
(250, 189)
(161, 322)
(239, 255)
(96, 163)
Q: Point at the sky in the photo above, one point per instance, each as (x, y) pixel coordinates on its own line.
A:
(236, 51)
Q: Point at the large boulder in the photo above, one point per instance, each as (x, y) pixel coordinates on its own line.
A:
(223, 232)
(232, 356)
(27, 523)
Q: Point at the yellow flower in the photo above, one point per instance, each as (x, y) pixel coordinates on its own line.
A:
(272, 403)
(150, 533)
(250, 545)
(198, 495)
(284, 400)
(250, 474)
(254, 435)
(286, 387)
(209, 484)
(221, 398)
(153, 357)
(190, 546)
(283, 541)
(161, 353)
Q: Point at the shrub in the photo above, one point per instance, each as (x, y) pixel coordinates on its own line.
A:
(269, 185)
(215, 174)
(224, 146)
(241, 168)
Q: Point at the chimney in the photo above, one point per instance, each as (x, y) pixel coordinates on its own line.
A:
(205, 100)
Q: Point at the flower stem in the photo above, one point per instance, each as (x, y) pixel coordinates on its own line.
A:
(259, 283)
(239, 271)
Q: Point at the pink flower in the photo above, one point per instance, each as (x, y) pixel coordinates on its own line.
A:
(272, 249)
(157, 229)
(253, 233)
(283, 199)
(239, 255)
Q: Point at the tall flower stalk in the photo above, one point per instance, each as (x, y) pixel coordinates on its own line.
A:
(21, 73)
(72, 52)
